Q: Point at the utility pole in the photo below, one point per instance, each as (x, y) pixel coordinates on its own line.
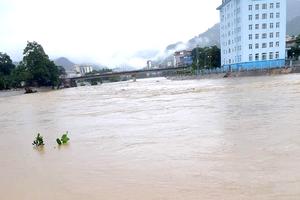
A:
(197, 59)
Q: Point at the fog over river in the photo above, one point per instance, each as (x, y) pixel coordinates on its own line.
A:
(155, 139)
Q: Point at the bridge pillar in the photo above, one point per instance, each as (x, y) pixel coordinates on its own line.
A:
(73, 83)
(133, 77)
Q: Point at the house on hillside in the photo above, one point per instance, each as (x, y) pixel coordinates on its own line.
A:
(183, 58)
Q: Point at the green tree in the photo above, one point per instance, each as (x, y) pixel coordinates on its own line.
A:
(43, 71)
(6, 64)
(6, 68)
(298, 40)
(206, 58)
(20, 74)
(294, 52)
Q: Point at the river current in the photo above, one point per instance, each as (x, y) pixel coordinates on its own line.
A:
(155, 139)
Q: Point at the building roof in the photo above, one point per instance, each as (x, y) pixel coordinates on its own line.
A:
(224, 3)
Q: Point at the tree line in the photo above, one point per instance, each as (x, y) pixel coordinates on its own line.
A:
(35, 69)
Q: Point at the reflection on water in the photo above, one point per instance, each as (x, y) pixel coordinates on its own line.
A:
(155, 139)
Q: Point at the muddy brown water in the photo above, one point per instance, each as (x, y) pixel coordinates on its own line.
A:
(155, 139)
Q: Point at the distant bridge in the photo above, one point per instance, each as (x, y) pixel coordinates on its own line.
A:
(133, 74)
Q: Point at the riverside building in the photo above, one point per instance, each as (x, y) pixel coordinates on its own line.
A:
(252, 34)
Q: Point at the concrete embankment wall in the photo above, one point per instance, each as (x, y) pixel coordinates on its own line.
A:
(257, 72)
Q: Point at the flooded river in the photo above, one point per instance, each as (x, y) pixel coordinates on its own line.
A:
(155, 139)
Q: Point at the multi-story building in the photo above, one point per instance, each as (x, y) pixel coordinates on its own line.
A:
(183, 58)
(83, 69)
(149, 64)
(252, 33)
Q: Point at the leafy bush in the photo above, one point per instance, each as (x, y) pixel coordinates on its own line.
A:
(63, 140)
(38, 140)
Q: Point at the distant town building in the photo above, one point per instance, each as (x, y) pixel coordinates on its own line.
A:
(169, 64)
(290, 41)
(252, 33)
(183, 58)
(149, 64)
(83, 69)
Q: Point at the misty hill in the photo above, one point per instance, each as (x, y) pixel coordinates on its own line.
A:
(208, 38)
(65, 63)
(212, 35)
(293, 26)
(293, 7)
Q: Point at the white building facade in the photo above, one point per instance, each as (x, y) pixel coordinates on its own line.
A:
(83, 69)
(252, 34)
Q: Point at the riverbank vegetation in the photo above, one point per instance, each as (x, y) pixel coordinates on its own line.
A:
(36, 69)
(294, 52)
(206, 58)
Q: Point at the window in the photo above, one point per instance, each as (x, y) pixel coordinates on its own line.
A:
(277, 44)
(264, 26)
(271, 44)
(271, 15)
(239, 58)
(264, 6)
(264, 36)
(257, 16)
(250, 7)
(250, 36)
(271, 5)
(271, 35)
(256, 56)
(278, 15)
(256, 6)
(277, 55)
(271, 25)
(250, 46)
(277, 34)
(250, 17)
(277, 5)
(264, 16)
(256, 46)
(264, 56)
(264, 45)
(250, 57)
(256, 26)
(277, 25)
(256, 36)
(271, 56)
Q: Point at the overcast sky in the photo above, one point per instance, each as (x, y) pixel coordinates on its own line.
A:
(111, 32)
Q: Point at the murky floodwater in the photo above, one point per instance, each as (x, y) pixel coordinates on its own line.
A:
(155, 139)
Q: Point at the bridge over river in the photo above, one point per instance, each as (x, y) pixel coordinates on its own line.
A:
(134, 73)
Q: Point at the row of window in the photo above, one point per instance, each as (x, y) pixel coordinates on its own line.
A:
(264, 45)
(263, 36)
(235, 49)
(264, 6)
(251, 46)
(264, 56)
(264, 26)
(255, 57)
(263, 16)
(250, 37)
